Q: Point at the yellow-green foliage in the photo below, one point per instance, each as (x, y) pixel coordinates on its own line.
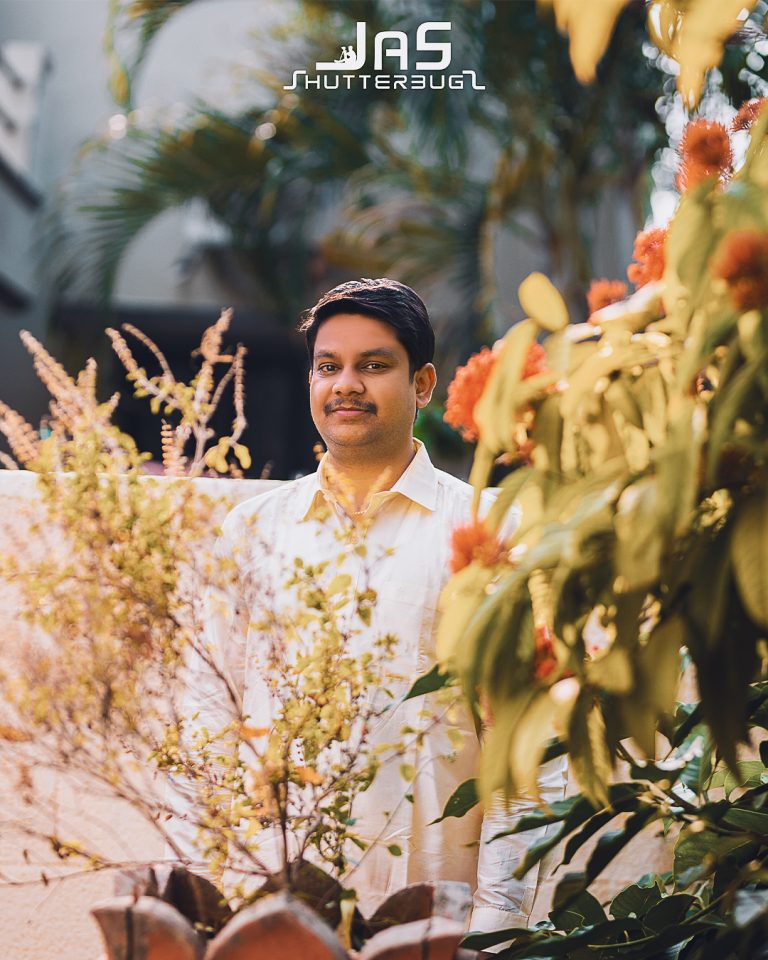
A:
(644, 505)
(111, 587)
(691, 32)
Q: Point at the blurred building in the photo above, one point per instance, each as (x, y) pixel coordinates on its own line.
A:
(53, 97)
(24, 68)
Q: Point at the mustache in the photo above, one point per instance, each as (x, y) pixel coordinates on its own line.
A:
(347, 405)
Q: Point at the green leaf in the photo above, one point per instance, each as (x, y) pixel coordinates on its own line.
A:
(461, 801)
(510, 489)
(494, 411)
(547, 430)
(481, 941)
(636, 899)
(722, 641)
(688, 716)
(607, 847)
(638, 537)
(690, 241)
(541, 300)
(584, 910)
(528, 741)
(494, 763)
(611, 672)
(589, 753)
(428, 683)
(697, 854)
(569, 888)
(728, 405)
(593, 825)
(573, 812)
(698, 770)
(408, 772)
(553, 813)
(752, 821)
(660, 663)
(749, 555)
(677, 467)
(749, 773)
(464, 616)
(613, 842)
(338, 584)
(395, 850)
(479, 475)
(670, 910)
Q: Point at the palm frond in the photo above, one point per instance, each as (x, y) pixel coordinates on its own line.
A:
(132, 26)
(266, 192)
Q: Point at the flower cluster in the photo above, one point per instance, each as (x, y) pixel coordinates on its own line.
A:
(648, 255)
(544, 657)
(747, 114)
(742, 261)
(535, 361)
(468, 384)
(465, 390)
(602, 293)
(475, 543)
(705, 151)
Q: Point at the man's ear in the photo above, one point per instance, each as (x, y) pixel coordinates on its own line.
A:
(424, 380)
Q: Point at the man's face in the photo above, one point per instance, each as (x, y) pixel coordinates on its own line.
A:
(361, 391)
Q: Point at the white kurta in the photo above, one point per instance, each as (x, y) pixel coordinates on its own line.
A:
(412, 521)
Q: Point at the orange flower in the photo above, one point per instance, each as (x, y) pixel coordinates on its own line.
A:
(544, 657)
(649, 256)
(706, 152)
(474, 542)
(535, 361)
(742, 261)
(468, 384)
(749, 111)
(465, 390)
(602, 293)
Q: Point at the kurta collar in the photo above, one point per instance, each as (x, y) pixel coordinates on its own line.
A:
(418, 482)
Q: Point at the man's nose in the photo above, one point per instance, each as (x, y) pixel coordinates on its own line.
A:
(347, 381)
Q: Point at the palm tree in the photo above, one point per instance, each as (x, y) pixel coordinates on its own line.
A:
(419, 184)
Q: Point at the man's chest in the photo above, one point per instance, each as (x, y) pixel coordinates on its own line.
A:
(400, 558)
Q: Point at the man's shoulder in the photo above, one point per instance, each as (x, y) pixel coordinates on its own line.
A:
(271, 503)
(457, 502)
(459, 492)
(453, 487)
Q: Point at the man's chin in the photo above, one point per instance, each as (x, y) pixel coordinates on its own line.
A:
(349, 435)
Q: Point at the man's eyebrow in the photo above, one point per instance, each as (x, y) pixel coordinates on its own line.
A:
(365, 354)
(380, 352)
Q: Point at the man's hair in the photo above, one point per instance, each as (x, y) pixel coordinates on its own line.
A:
(383, 299)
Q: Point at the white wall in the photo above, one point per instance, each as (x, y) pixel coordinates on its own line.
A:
(192, 57)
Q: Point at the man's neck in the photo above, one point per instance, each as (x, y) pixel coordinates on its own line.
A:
(360, 478)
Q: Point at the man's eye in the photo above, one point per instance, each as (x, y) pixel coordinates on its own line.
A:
(375, 365)
(325, 367)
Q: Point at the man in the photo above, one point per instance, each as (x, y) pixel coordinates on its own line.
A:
(371, 347)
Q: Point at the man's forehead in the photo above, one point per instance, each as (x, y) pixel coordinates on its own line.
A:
(329, 353)
(349, 333)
